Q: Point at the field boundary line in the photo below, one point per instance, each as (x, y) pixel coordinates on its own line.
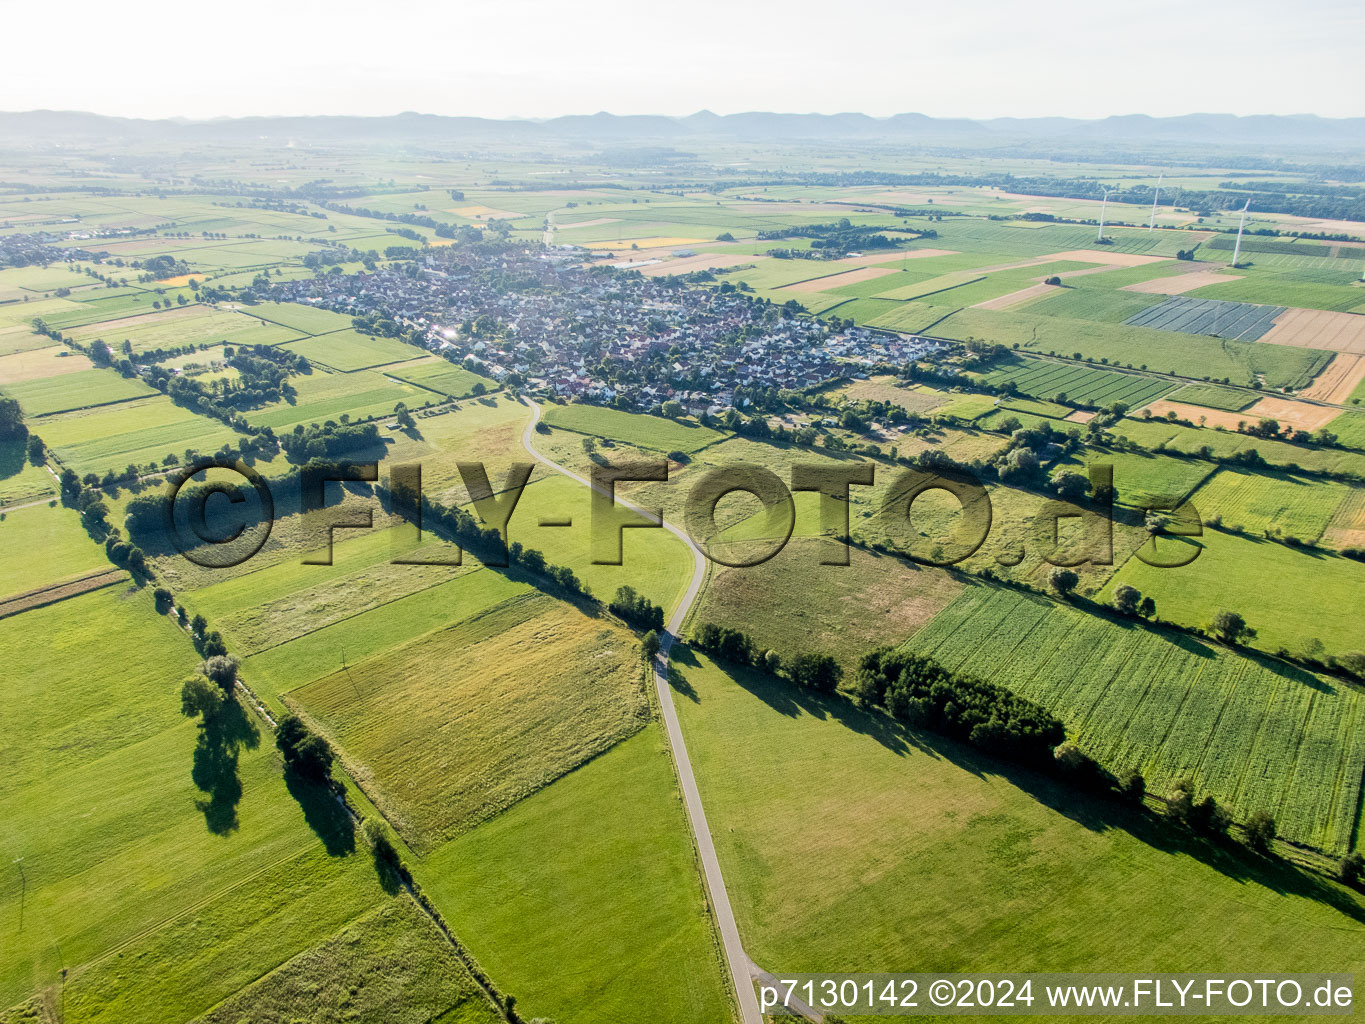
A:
(741, 967)
(97, 405)
(355, 615)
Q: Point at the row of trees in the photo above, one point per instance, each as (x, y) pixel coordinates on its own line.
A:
(636, 609)
(919, 690)
(461, 527)
(818, 672)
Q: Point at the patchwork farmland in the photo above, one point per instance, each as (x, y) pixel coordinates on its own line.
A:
(377, 773)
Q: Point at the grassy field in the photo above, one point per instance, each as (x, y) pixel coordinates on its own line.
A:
(45, 545)
(39, 363)
(586, 895)
(1142, 479)
(298, 317)
(1257, 503)
(349, 350)
(832, 609)
(910, 317)
(20, 480)
(391, 966)
(913, 829)
(1191, 355)
(74, 391)
(1309, 608)
(1158, 433)
(322, 396)
(140, 431)
(275, 597)
(441, 375)
(654, 562)
(1108, 306)
(187, 325)
(144, 842)
(454, 726)
(1350, 429)
(1170, 706)
(654, 432)
(1211, 397)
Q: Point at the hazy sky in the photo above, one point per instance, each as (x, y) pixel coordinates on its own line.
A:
(978, 58)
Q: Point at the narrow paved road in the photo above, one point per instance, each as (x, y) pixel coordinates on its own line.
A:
(742, 969)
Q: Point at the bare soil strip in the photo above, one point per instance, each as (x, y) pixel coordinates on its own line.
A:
(588, 223)
(706, 261)
(55, 592)
(1299, 414)
(824, 284)
(1320, 329)
(875, 258)
(1338, 380)
(1016, 298)
(1179, 284)
(1197, 413)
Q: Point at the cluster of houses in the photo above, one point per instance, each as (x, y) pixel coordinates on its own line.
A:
(23, 250)
(599, 334)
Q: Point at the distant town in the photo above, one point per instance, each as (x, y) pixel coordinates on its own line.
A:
(593, 333)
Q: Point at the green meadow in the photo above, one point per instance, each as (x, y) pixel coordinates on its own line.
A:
(440, 375)
(1298, 600)
(139, 431)
(79, 390)
(654, 432)
(44, 546)
(143, 841)
(349, 350)
(601, 860)
(900, 833)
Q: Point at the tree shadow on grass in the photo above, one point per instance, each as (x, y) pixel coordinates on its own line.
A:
(790, 700)
(678, 656)
(214, 770)
(1092, 811)
(324, 813)
(12, 458)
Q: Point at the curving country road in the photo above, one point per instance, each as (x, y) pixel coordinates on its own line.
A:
(742, 969)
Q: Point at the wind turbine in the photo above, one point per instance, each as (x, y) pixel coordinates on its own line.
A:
(1099, 237)
(1160, 177)
(1237, 249)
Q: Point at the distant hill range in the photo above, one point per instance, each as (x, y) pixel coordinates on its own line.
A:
(39, 126)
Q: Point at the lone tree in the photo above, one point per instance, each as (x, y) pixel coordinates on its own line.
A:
(1260, 831)
(403, 417)
(1126, 599)
(222, 670)
(1231, 628)
(305, 753)
(649, 645)
(1147, 609)
(200, 698)
(1063, 581)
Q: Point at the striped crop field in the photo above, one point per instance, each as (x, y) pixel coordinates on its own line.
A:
(1085, 385)
(1257, 734)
